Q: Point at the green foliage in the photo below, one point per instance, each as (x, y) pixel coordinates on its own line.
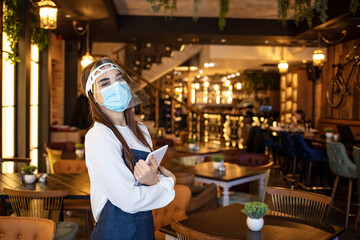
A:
(79, 146)
(328, 129)
(12, 27)
(191, 140)
(354, 6)
(259, 79)
(39, 36)
(321, 6)
(224, 9)
(217, 158)
(283, 6)
(255, 210)
(29, 170)
(196, 10)
(167, 5)
(303, 11)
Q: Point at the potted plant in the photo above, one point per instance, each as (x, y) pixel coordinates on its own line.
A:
(255, 212)
(192, 143)
(29, 176)
(328, 132)
(218, 161)
(79, 150)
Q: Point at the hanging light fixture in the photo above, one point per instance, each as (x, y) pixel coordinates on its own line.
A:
(318, 55)
(87, 58)
(283, 65)
(48, 14)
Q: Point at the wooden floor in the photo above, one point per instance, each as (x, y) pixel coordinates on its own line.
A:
(336, 217)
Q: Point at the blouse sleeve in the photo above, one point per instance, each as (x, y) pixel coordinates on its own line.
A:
(104, 161)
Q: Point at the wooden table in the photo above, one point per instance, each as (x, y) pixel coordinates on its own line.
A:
(230, 222)
(234, 175)
(77, 184)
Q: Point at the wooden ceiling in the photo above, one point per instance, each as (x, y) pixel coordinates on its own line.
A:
(249, 22)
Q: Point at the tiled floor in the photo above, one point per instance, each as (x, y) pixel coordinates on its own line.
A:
(336, 217)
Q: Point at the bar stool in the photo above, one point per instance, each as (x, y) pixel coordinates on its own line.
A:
(341, 166)
(307, 154)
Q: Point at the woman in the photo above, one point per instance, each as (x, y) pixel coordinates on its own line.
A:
(115, 148)
(301, 119)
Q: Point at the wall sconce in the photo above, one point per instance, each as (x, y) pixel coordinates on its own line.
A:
(87, 58)
(318, 55)
(48, 14)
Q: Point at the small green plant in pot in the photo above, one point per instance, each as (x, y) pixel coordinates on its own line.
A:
(192, 143)
(79, 150)
(29, 176)
(218, 160)
(255, 212)
(328, 132)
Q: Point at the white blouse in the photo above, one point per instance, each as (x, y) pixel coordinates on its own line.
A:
(110, 178)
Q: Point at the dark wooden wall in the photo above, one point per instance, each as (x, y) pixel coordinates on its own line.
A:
(348, 113)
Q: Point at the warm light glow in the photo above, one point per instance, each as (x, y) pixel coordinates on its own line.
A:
(209, 65)
(238, 86)
(86, 60)
(227, 83)
(193, 68)
(233, 75)
(216, 87)
(201, 71)
(205, 78)
(197, 86)
(237, 74)
(283, 66)
(198, 76)
(206, 84)
(8, 106)
(318, 58)
(48, 14)
(34, 105)
(230, 88)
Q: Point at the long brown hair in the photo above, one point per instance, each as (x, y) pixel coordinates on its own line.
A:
(99, 116)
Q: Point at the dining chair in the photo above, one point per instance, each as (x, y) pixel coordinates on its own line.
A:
(356, 154)
(310, 155)
(287, 149)
(76, 167)
(343, 167)
(298, 204)
(185, 233)
(174, 210)
(203, 198)
(42, 204)
(26, 228)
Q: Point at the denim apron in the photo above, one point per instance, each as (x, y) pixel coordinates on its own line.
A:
(115, 224)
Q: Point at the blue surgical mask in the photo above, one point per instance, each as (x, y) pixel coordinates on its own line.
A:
(117, 96)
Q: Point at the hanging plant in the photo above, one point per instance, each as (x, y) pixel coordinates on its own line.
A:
(321, 6)
(283, 7)
(167, 5)
(303, 11)
(39, 36)
(11, 27)
(354, 6)
(224, 9)
(196, 10)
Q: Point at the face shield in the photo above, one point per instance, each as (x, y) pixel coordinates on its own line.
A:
(113, 88)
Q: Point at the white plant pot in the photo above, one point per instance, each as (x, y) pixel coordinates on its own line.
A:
(29, 178)
(192, 146)
(255, 224)
(79, 153)
(329, 134)
(217, 164)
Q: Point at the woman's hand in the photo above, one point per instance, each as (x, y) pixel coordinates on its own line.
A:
(167, 173)
(145, 173)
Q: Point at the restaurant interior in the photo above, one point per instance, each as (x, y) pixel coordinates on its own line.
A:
(257, 101)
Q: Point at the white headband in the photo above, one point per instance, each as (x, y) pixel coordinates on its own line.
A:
(91, 79)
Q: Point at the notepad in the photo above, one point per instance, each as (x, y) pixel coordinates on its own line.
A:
(158, 154)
